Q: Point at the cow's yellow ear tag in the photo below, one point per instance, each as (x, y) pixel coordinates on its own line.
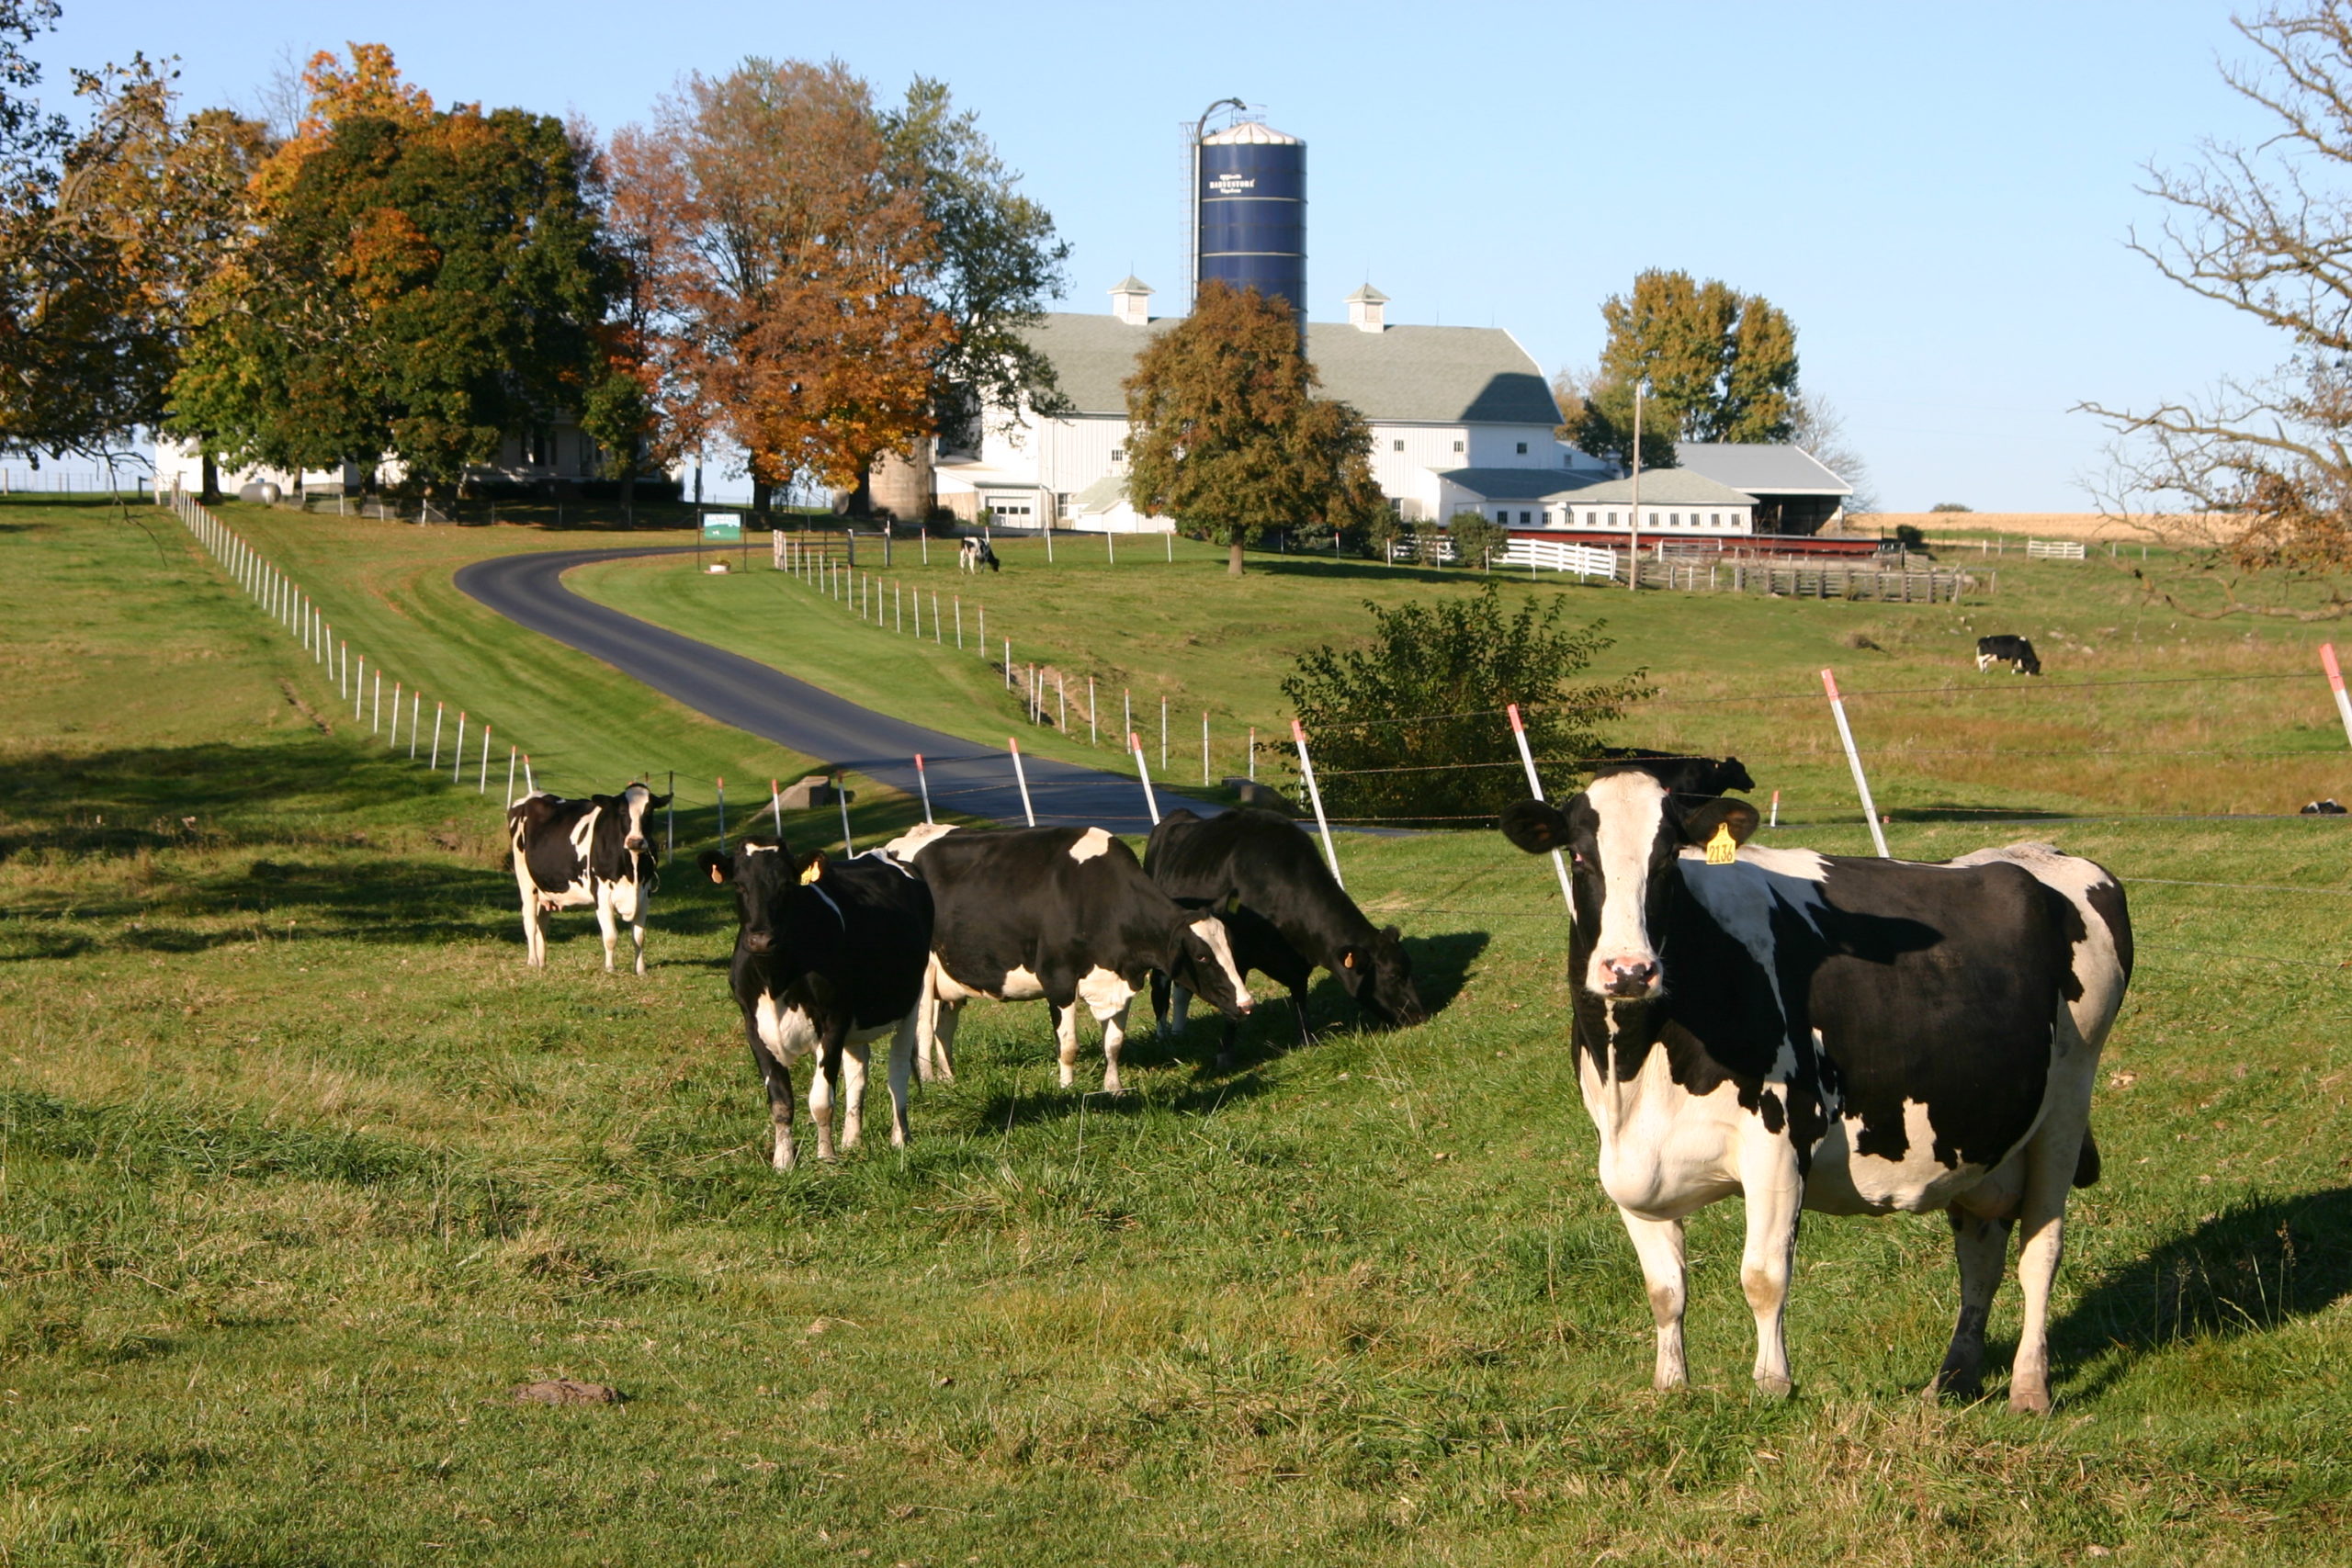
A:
(814, 869)
(1233, 905)
(1723, 849)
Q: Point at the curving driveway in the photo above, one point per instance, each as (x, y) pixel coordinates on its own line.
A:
(529, 591)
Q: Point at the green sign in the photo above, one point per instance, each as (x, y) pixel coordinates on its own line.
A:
(722, 529)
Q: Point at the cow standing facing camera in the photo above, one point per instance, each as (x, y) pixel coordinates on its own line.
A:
(1849, 1035)
(828, 956)
(2016, 652)
(571, 853)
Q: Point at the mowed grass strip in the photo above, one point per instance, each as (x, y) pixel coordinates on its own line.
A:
(302, 1171)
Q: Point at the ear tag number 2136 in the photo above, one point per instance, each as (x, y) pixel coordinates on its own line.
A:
(1723, 849)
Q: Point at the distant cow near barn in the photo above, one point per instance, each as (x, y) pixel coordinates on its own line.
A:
(829, 956)
(2014, 651)
(976, 554)
(1285, 913)
(572, 854)
(1062, 914)
(1849, 1035)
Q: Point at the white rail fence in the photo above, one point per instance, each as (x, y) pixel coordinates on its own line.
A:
(1550, 555)
(2054, 549)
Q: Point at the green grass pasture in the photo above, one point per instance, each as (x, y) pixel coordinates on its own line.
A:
(302, 1171)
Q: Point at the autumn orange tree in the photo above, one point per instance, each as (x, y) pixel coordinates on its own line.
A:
(787, 267)
(1228, 437)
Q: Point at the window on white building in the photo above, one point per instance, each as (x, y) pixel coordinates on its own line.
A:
(1457, 446)
(1398, 446)
(1613, 520)
(1522, 449)
(1118, 454)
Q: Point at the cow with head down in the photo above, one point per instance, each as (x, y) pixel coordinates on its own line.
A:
(1849, 1035)
(572, 854)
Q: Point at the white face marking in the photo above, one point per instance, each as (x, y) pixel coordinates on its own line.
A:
(908, 844)
(1212, 933)
(1105, 992)
(789, 1033)
(1088, 844)
(634, 801)
(1631, 808)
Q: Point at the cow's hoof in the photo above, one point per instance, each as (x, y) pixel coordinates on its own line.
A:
(1774, 1388)
(2029, 1402)
(1960, 1388)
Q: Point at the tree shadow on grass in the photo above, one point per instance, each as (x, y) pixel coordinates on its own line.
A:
(2254, 1268)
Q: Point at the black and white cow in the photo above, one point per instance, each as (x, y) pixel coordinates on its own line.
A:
(1285, 913)
(1846, 1035)
(976, 554)
(571, 853)
(829, 956)
(1681, 773)
(1065, 914)
(2017, 653)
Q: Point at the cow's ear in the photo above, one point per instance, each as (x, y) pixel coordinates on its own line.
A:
(655, 802)
(1535, 826)
(607, 801)
(812, 868)
(718, 868)
(1391, 935)
(1734, 816)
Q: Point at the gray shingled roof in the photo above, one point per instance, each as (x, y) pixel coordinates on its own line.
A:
(1760, 469)
(1665, 487)
(1404, 374)
(1515, 484)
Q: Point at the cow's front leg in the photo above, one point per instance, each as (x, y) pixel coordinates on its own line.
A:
(636, 930)
(607, 922)
(1775, 1196)
(1982, 1246)
(1066, 1039)
(535, 947)
(854, 1063)
(779, 1079)
(1659, 1244)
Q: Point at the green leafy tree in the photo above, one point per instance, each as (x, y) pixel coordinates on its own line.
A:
(1228, 437)
(1411, 723)
(1719, 365)
(1476, 538)
(416, 285)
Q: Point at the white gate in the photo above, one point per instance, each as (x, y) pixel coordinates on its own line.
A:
(1583, 559)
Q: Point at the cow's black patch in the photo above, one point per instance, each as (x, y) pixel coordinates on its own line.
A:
(2106, 898)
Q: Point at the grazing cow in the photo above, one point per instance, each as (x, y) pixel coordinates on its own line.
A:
(829, 956)
(976, 554)
(569, 853)
(1285, 913)
(1682, 773)
(2014, 651)
(1062, 913)
(1847, 1036)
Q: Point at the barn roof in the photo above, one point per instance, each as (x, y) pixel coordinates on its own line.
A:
(1760, 469)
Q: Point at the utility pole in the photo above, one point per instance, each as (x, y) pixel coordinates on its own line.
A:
(1634, 525)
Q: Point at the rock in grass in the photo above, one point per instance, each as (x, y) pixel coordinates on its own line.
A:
(565, 1391)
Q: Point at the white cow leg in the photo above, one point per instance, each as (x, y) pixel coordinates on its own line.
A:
(2049, 1171)
(1066, 1041)
(1114, 1038)
(1982, 1246)
(1179, 1008)
(854, 1062)
(820, 1105)
(903, 1045)
(535, 946)
(1774, 1195)
(637, 932)
(607, 923)
(939, 1060)
(1659, 1244)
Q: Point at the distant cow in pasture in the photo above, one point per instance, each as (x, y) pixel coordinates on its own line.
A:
(1850, 1035)
(1285, 913)
(1682, 773)
(572, 854)
(2328, 808)
(1065, 914)
(829, 956)
(976, 554)
(2014, 651)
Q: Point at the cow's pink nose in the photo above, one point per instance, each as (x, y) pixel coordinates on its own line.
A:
(1630, 977)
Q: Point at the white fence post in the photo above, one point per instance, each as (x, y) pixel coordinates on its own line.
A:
(1022, 775)
(1854, 760)
(923, 779)
(841, 798)
(1150, 801)
(1307, 765)
(775, 808)
(720, 785)
(2335, 684)
(510, 775)
(1535, 788)
(482, 779)
(457, 752)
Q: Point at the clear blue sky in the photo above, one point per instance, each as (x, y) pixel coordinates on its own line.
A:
(1937, 196)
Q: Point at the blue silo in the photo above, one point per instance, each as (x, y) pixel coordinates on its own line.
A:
(1251, 221)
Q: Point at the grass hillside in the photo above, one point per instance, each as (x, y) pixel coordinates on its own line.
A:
(301, 1172)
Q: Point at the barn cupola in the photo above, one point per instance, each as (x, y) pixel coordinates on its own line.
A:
(1131, 302)
(1366, 309)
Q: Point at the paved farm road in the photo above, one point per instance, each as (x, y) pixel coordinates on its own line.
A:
(528, 590)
